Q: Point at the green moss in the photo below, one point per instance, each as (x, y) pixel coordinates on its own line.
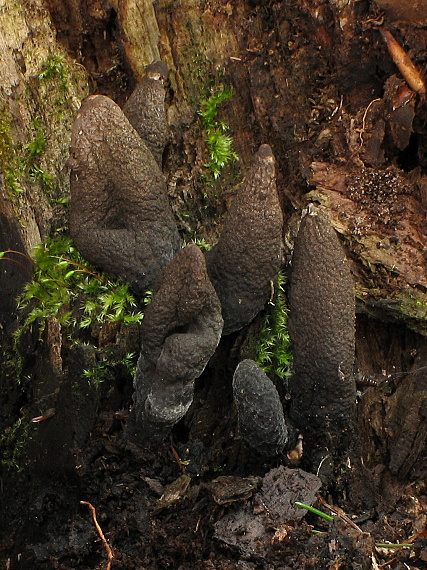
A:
(22, 162)
(37, 145)
(220, 151)
(34, 151)
(107, 360)
(55, 69)
(12, 444)
(202, 244)
(66, 287)
(209, 106)
(273, 353)
(219, 144)
(9, 162)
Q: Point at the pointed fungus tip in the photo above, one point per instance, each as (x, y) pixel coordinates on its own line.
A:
(157, 68)
(265, 151)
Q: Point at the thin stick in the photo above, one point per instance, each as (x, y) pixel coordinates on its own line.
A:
(177, 458)
(80, 266)
(406, 67)
(110, 554)
(341, 514)
(393, 545)
(364, 119)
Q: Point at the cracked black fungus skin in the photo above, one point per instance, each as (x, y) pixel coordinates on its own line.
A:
(120, 218)
(322, 328)
(180, 331)
(248, 254)
(145, 109)
(261, 420)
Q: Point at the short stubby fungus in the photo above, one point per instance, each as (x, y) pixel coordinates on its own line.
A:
(181, 329)
(322, 331)
(248, 254)
(120, 218)
(261, 420)
(145, 109)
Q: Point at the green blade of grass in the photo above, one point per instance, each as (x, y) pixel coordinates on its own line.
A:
(392, 545)
(314, 511)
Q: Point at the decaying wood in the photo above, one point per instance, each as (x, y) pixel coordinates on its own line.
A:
(384, 223)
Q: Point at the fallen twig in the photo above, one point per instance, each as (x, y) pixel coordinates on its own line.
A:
(341, 514)
(406, 67)
(110, 554)
(337, 512)
(47, 415)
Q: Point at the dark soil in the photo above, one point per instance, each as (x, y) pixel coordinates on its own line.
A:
(202, 499)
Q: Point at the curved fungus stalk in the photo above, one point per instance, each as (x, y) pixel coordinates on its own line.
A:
(322, 329)
(261, 420)
(181, 329)
(248, 254)
(120, 218)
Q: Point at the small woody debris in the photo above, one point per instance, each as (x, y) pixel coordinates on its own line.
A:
(406, 67)
(49, 414)
(175, 490)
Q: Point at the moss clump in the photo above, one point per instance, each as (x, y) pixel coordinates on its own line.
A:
(66, 287)
(209, 106)
(12, 444)
(55, 69)
(219, 144)
(273, 353)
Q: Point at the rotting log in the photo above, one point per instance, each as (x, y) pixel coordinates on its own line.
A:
(383, 222)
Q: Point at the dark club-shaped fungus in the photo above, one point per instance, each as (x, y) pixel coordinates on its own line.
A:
(145, 109)
(322, 329)
(120, 218)
(248, 254)
(181, 329)
(261, 420)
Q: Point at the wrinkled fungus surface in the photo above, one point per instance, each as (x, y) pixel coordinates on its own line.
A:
(260, 411)
(180, 332)
(322, 328)
(145, 109)
(248, 254)
(120, 218)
